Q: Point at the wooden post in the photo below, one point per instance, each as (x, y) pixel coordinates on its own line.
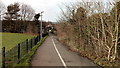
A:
(18, 53)
(27, 45)
(3, 57)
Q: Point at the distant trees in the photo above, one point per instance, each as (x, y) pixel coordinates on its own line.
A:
(18, 13)
(2, 7)
(2, 10)
(19, 18)
(27, 12)
(93, 30)
(12, 12)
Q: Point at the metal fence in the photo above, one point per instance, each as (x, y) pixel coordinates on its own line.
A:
(14, 55)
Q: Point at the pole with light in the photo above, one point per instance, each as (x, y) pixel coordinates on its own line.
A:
(41, 25)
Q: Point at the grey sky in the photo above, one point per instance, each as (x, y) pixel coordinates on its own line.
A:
(50, 7)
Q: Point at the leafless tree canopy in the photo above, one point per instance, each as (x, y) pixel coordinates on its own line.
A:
(92, 28)
(2, 9)
(27, 12)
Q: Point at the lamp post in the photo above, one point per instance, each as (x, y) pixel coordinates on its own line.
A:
(41, 25)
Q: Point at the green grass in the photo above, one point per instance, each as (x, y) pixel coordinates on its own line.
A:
(9, 40)
(0, 50)
(0, 41)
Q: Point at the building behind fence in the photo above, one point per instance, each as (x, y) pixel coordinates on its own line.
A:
(14, 55)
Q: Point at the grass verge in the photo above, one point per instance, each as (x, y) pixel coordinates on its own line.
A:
(25, 61)
(10, 40)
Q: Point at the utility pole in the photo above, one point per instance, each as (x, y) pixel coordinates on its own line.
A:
(41, 25)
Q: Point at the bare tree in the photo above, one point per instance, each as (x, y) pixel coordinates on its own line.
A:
(27, 12)
(94, 29)
(2, 8)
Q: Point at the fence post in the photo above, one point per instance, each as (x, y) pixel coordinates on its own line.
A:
(18, 52)
(27, 45)
(3, 57)
(34, 41)
(39, 38)
(31, 43)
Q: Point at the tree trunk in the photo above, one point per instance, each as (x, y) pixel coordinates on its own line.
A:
(116, 35)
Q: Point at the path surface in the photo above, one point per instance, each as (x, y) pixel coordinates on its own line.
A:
(53, 53)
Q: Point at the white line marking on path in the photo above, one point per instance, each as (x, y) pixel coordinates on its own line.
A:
(59, 54)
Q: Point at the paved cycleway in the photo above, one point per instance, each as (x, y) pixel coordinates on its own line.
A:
(53, 54)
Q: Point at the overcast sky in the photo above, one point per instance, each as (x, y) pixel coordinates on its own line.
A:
(50, 7)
